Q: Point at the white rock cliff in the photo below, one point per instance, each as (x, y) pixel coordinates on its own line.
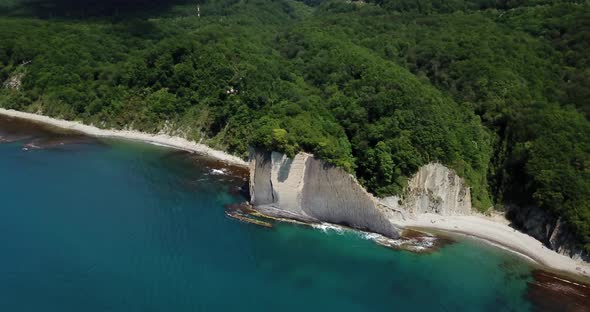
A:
(434, 189)
(310, 190)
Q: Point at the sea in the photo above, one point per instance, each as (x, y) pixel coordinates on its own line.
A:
(91, 224)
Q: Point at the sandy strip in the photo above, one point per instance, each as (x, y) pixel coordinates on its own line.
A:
(498, 232)
(162, 139)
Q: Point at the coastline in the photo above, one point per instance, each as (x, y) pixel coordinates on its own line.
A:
(158, 139)
(496, 231)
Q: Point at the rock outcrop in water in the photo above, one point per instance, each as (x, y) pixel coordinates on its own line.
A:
(311, 190)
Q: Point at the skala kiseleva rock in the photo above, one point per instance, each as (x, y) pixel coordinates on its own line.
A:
(311, 190)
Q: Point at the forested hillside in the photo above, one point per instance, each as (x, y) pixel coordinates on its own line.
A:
(497, 90)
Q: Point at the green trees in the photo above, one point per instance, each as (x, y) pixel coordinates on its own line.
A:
(497, 90)
(394, 122)
(558, 165)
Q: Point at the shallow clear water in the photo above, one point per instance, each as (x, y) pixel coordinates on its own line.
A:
(119, 226)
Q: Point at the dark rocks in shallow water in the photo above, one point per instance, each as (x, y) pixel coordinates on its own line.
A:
(57, 142)
(549, 292)
(38, 136)
(416, 242)
(308, 189)
(244, 213)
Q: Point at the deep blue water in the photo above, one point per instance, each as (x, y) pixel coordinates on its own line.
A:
(120, 226)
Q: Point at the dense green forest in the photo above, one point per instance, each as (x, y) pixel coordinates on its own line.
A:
(497, 89)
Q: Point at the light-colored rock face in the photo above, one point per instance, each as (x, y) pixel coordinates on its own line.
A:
(276, 180)
(287, 179)
(261, 191)
(307, 188)
(437, 189)
(433, 189)
(333, 195)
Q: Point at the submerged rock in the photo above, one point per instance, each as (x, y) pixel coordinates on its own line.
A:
(549, 292)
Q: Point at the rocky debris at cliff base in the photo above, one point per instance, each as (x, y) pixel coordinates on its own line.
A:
(410, 240)
(549, 292)
(308, 189)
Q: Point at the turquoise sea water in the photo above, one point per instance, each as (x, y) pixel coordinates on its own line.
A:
(119, 226)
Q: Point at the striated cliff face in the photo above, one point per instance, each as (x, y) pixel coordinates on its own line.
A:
(437, 189)
(308, 189)
(548, 229)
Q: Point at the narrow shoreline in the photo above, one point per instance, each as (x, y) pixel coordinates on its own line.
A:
(158, 139)
(497, 232)
(493, 232)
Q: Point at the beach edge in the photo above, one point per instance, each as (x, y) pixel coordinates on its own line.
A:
(162, 139)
